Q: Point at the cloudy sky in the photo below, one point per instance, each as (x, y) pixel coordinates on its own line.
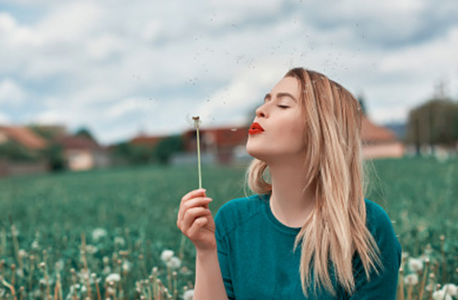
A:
(121, 67)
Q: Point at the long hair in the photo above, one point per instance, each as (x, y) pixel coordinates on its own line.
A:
(335, 168)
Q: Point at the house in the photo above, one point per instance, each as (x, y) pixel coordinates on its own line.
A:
(227, 144)
(379, 142)
(82, 153)
(29, 140)
(23, 136)
(223, 143)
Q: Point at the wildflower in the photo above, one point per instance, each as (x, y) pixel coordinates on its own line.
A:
(415, 264)
(113, 277)
(440, 295)
(119, 240)
(98, 233)
(450, 289)
(22, 253)
(91, 249)
(188, 295)
(14, 231)
(174, 263)
(126, 266)
(411, 279)
(35, 244)
(429, 287)
(106, 270)
(166, 255)
(405, 255)
(60, 265)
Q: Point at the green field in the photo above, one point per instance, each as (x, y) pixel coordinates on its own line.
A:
(137, 207)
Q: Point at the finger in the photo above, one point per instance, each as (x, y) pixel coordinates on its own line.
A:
(192, 194)
(196, 226)
(193, 214)
(200, 201)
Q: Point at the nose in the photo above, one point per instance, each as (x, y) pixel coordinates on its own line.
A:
(261, 112)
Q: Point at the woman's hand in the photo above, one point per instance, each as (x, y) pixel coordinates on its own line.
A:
(196, 221)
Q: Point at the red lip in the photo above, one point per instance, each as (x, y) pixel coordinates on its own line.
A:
(255, 128)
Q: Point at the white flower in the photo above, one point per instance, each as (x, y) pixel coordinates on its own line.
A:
(22, 253)
(119, 240)
(429, 287)
(451, 289)
(98, 233)
(415, 264)
(35, 244)
(106, 270)
(166, 255)
(174, 263)
(411, 279)
(113, 277)
(60, 265)
(126, 266)
(188, 295)
(405, 254)
(439, 295)
(91, 249)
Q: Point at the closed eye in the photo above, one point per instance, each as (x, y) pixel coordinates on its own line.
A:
(283, 106)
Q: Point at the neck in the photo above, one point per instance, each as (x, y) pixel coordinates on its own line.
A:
(289, 203)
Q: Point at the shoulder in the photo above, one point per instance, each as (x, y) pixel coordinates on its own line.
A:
(236, 211)
(381, 228)
(377, 218)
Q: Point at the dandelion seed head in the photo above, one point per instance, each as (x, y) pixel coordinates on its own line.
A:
(415, 264)
(411, 279)
(166, 255)
(174, 263)
(450, 289)
(188, 295)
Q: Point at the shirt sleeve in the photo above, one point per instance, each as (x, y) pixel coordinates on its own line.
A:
(382, 286)
(223, 256)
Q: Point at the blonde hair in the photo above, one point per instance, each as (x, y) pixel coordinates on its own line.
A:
(336, 228)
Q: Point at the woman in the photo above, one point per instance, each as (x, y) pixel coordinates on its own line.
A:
(308, 232)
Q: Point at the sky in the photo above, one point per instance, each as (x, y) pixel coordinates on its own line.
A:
(120, 68)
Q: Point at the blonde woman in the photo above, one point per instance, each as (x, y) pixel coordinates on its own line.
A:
(307, 232)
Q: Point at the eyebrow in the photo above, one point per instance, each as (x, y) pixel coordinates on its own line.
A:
(279, 95)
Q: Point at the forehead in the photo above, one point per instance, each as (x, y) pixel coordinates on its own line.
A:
(287, 84)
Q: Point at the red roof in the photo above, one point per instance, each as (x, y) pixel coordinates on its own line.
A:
(143, 140)
(374, 133)
(78, 143)
(24, 136)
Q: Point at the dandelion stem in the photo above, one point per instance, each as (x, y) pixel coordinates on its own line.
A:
(196, 122)
(425, 271)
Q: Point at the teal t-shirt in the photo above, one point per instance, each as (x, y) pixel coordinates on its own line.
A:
(255, 253)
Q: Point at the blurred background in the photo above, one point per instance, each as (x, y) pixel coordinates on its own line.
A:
(108, 82)
(96, 106)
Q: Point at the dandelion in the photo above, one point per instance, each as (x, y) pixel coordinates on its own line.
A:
(411, 279)
(450, 289)
(119, 240)
(113, 277)
(174, 263)
(22, 253)
(91, 249)
(126, 266)
(415, 264)
(166, 255)
(441, 295)
(188, 295)
(98, 233)
(35, 245)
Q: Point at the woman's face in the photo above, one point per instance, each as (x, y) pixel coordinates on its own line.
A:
(282, 133)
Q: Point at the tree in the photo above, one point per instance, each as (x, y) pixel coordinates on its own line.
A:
(362, 103)
(434, 122)
(167, 147)
(84, 132)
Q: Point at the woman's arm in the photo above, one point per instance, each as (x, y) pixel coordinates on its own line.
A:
(209, 281)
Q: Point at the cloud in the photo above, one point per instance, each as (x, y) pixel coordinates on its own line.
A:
(116, 67)
(11, 93)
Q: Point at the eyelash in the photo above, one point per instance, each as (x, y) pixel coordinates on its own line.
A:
(283, 106)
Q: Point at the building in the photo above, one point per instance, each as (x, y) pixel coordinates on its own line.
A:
(82, 153)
